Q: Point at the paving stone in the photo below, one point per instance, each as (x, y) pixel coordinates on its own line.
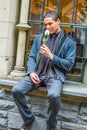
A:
(14, 121)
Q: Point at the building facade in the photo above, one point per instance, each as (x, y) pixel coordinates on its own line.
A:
(22, 20)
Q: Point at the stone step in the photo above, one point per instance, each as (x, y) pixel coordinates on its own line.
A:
(39, 124)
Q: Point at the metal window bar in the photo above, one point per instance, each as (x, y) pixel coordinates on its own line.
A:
(84, 58)
(58, 6)
(44, 1)
(72, 20)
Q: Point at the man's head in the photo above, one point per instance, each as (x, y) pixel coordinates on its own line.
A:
(52, 22)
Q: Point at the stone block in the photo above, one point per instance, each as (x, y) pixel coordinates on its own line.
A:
(5, 95)
(10, 9)
(6, 66)
(68, 116)
(6, 105)
(11, 48)
(3, 124)
(39, 101)
(40, 111)
(83, 110)
(5, 4)
(8, 30)
(14, 121)
(82, 119)
(73, 126)
(39, 124)
(3, 46)
(14, 11)
(3, 114)
(69, 106)
(7, 47)
(4, 29)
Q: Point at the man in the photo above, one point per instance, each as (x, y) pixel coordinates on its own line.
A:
(56, 58)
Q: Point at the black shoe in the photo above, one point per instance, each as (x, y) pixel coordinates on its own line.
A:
(50, 128)
(26, 127)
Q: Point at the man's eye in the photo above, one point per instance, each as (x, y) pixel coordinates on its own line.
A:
(50, 23)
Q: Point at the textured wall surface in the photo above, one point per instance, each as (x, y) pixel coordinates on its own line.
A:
(9, 15)
(72, 116)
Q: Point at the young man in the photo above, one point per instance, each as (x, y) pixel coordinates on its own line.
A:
(56, 58)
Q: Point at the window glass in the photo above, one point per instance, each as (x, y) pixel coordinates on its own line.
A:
(50, 5)
(80, 11)
(36, 9)
(66, 10)
(35, 29)
(79, 34)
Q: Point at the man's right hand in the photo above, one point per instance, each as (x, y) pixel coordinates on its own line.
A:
(34, 77)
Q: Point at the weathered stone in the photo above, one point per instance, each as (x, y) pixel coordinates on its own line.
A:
(83, 110)
(72, 115)
(9, 15)
(14, 121)
(5, 95)
(6, 105)
(39, 124)
(73, 126)
(3, 114)
(38, 101)
(3, 124)
(68, 106)
(82, 119)
(5, 9)
(68, 116)
(40, 111)
(5, 62)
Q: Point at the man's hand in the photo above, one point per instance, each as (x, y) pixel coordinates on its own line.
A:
(34, 77)
(45, 51)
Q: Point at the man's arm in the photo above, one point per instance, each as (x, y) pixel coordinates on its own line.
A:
(32, 59)
(68, 61)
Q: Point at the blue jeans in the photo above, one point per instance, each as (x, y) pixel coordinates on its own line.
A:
(54, 88)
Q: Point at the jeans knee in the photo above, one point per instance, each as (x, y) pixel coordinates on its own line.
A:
(15, 90)
(53, 94)
(55, 100)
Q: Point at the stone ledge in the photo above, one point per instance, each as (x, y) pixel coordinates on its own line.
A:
(72, 91)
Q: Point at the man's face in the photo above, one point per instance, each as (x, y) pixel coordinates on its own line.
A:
(51, 25)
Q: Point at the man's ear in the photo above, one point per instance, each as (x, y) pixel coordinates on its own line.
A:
(58, 21)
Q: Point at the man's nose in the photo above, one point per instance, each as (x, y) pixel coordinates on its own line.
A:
(48, 26)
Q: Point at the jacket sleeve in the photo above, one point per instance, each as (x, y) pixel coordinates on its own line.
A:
(33, 55)
(67, 62)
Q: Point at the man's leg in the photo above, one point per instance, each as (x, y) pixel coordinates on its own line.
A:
(54, 88)
(19, 91)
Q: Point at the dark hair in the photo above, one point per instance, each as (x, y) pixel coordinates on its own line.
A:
(52, 14)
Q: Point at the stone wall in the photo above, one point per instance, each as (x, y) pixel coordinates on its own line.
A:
(9, 15)
(72, 115)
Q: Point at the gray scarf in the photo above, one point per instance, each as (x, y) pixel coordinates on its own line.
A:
(55, 45)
